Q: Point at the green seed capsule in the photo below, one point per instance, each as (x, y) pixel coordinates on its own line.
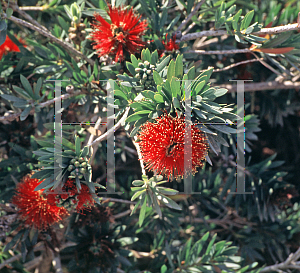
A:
(70, 168)
(149, 72)
(73, 161)
(81, 159)
(148, 82)
(146, 63)
(141, 65)
(145, 76)
(150, 77)
(84, 164)
(76, 164)
(138, 76)
(82, 170)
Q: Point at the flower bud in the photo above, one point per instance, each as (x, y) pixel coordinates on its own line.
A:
(82, 170)
(73, 161)
(76, 164)
(138, 69)
(145, 76)
(149, 72)
(141, 65)
(84, 164)
(146, 63)
(81, 159)
(70, 168)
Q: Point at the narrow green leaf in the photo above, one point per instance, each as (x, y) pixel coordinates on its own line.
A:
(37, 88)
(154, 57)
(85, 151)
(175, 87)
(13, 98)
(143, 211)
(247, 20)
(77, 146)
(137, 115)
(157, 78)
(171, 70)
(9, 12)
(134, 61)
(131, 68)
(159, 98)
(21, 92)
(179, 67)
(137, 194)
(27, 86)
(169, 202)
(163, 64)
(25, 113)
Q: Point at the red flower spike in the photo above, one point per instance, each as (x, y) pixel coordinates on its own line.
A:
(170, 45)
(162, 146)
(8, 46)
(35, 208)
(122, 34)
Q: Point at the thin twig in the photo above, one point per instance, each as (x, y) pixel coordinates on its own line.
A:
(289, 263)
(236, 64)
(51, 37)
(33, 8)
(185, 21)
(139, 155)
(42, 105)
(10, 260)
(117, 200)
(260, 86)
(266, 65)
(206, 33)
(116, 127)
(210, 52)
(121, 214)
(16, 8)
(188, 28)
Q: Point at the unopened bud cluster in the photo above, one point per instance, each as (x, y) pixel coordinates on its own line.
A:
(77, 33)
(145, 73)
(78, 167)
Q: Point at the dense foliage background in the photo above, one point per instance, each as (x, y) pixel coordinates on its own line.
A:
(158, 229)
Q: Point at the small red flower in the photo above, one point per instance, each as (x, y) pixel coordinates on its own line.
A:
(34, 207)
(170, 45)
(162, 146)
(82, 199)
(9, 46)
(122, 34)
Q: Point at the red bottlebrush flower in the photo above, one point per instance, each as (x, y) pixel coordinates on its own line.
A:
(34, 207)
(9, 46)
(83, 198)
(122, 34)
(170, 45)
(162, 146)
